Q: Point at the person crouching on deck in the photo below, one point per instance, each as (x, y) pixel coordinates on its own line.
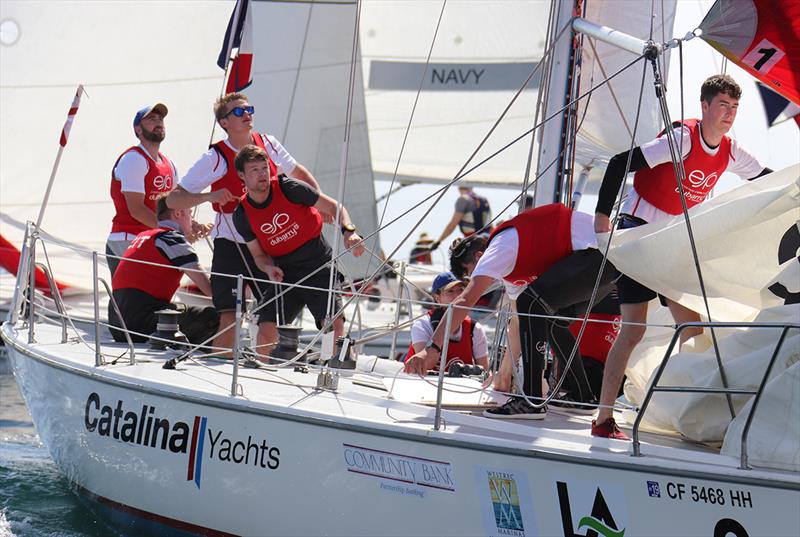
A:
(142, 289)
(279, 219)
(547, 258)
(468, 340)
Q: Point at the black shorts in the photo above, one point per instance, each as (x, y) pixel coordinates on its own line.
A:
(199, 324)
(631, 291)
(288, 306)
(227, 259)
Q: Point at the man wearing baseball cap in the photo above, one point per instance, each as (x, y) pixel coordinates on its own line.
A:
(467, 340)
(140, 175)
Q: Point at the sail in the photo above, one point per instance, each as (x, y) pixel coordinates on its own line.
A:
(302, 64)
(747, 241)
(760, 36)
(482, 54)
(607, 119)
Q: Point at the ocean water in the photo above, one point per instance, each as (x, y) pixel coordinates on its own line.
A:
(35, 501)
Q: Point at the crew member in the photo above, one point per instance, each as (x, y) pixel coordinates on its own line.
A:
(280, 220)
(150, 272)
(552, 272)
(215, 168)
(707, 152)
(468, 340)
(140, 175)
(472, 215)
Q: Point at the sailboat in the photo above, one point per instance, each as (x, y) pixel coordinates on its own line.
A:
(207, 448)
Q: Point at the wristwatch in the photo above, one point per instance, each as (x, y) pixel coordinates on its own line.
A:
(431, 345)
(348, 228)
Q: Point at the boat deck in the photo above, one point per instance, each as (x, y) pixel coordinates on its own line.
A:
(378, 395)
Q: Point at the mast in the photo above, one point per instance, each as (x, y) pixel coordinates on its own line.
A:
(553, 134)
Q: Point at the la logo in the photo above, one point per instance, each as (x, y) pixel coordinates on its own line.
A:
(599, 522)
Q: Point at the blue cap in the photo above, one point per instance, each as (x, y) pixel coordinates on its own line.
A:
(158, 108)
(444, 281)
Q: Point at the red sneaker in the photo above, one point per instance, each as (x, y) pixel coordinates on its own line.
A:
(608, 429)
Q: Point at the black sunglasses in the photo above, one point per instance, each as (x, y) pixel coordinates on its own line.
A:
(240, 110)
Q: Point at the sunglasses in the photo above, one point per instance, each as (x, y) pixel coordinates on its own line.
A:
(240, 110)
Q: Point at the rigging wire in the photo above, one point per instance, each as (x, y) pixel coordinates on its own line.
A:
(408, 129)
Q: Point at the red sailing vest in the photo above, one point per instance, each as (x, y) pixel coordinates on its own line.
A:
(158, 180)
(461, 350)
(701, 172)
(598, 337)
(282, 227)
(160, 281)
(545, 237)
(231, 179)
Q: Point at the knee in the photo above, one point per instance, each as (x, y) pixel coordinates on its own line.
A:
(630, 336)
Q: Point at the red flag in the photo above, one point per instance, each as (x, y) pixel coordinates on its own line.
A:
(760, 36)
(238, 38)
(9, 260)
(71, 116)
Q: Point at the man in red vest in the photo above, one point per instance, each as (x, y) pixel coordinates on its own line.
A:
(280, 220)
(215, 169)
(547, 258)
(140, 175)
(467, 342)
(707, 152)
(150, 272)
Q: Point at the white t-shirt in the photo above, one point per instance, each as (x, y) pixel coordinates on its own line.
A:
(210, 167)
(422, 332)
(657, 152)
(132, 168)
(501, 255)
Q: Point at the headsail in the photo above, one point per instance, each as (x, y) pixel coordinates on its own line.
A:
(760, 36)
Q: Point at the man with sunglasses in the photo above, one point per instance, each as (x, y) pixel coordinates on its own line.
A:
(548, 260)
(216, 169)
(140, 175)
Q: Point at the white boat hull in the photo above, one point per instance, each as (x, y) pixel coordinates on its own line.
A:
(228, 469)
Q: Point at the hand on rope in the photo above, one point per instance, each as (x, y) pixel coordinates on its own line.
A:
(434, 245)
(422, 362)
(354, 243)
(221, 196)
(275, 273)
(199, 231)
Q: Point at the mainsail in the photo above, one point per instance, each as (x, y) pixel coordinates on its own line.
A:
(762, 37)
(302, 66)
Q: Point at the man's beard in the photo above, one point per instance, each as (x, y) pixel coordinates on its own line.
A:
(152, 136)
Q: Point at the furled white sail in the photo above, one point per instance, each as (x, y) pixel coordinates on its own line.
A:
(747, 241)
(130, 54)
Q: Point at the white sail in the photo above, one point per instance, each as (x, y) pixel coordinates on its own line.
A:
(482, 54)
(607, 119)
(130, 54)
(747, 241)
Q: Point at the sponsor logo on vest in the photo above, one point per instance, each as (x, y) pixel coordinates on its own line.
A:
(699, 184)
(139, 241)
(599, 522)
(163, 182)
(278, 222)
(504, 492)
(149, 430)
(396, 467)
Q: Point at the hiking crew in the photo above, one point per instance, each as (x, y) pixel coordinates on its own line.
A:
(547, 259)
(707, 152)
